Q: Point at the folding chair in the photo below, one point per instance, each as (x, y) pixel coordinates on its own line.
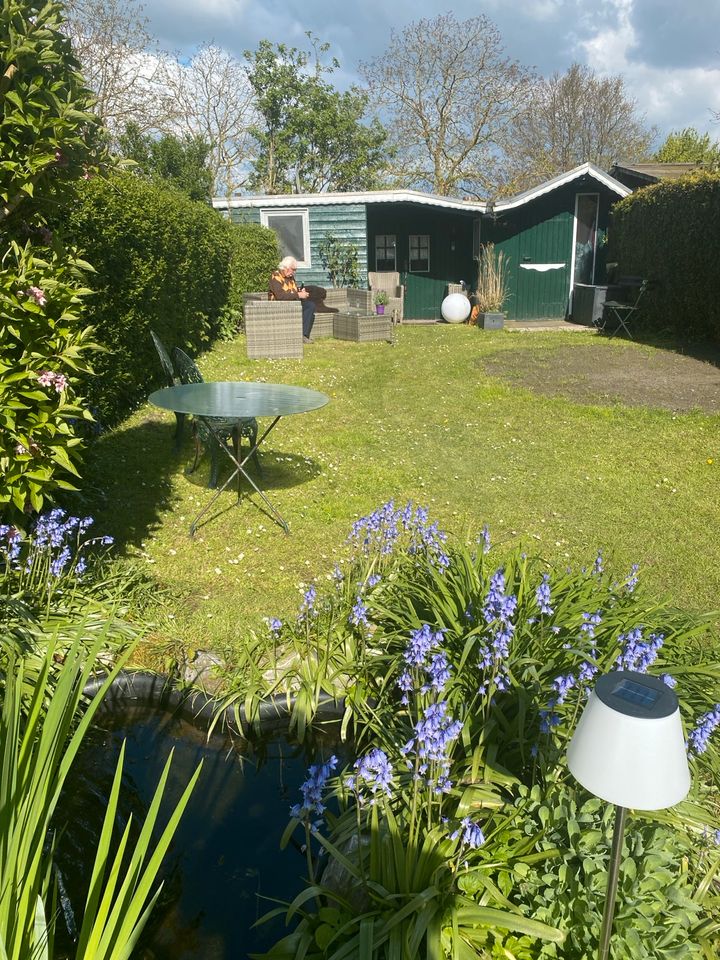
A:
(623, 311)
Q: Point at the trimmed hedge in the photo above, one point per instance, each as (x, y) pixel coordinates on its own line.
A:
(669, 233)
(165, 263)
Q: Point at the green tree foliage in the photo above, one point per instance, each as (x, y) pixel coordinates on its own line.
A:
(171, 161)
(46, 145)
(311, 137)
(689, 146)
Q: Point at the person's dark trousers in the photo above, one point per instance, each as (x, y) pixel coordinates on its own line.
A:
(308, 310)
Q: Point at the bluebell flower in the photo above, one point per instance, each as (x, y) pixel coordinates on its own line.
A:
(438, 672)
(699, 738)
(312, 790)
(421, 642)
(338, 575)
(631, 581)
(470, 834)
(637, 654)
(563, 685)
(590, 621)
(484, 538)
(307, 607)
(358, 614)
(598, 566)
(668, 680)
(275, 625)
(373, 580)
(373, 772)
(542, 595)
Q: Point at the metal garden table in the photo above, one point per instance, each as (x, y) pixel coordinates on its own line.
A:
(237, 400)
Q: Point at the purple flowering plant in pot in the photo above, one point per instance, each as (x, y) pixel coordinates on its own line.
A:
(463, 674)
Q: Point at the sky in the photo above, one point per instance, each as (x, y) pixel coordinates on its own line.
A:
(667, 51)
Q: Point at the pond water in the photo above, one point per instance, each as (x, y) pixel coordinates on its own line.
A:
(225, 857)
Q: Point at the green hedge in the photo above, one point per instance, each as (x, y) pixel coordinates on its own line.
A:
(669, 234)
(165, 263)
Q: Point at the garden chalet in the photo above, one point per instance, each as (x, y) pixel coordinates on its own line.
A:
(553, 236)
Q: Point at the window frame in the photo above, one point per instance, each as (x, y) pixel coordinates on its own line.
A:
(426, 238)
(266, 213)
(386, 237)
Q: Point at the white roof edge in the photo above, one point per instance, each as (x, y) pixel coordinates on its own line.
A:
(368, 196)
(584, 169)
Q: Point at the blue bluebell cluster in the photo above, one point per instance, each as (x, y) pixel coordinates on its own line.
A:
(55, 539)
(307, 607)
(638, 654)
(424, 656)
(631, 581)
(312, 790)
(599, 565)
(275, 626)
(359, 613)
(542, 596)
(484, 538)
(699, 738)
(590, 621)
(383, 529)
(435, 733)
(498, 611)
(470, 834)
(373, 580)
(373, 775)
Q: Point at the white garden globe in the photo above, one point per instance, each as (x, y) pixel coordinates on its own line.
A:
(455, 308)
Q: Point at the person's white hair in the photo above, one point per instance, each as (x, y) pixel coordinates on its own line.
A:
(288, 262)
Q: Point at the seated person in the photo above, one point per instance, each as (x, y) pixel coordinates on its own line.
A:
(283, 287)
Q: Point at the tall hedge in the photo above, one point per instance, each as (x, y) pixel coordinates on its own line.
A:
(165, 263)
(669, 233)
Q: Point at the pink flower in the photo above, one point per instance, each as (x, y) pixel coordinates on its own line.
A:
(46, 378)
(20, 449)
(60, 382)
(36, 294)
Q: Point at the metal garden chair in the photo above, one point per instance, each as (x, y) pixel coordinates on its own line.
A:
(212, 431)
(172, 380)
(622, 312)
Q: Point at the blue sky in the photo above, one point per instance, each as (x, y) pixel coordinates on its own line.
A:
(668, 52)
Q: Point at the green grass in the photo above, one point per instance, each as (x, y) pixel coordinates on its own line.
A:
(419, 420)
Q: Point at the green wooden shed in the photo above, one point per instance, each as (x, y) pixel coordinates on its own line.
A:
(552, 235)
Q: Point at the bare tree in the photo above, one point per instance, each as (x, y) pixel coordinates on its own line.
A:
(570, 119)
(214, 100)
(121, 63)
(447, 93)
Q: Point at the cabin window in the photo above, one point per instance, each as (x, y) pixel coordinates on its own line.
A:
(385, 252)
(419, 253)
(293, 232)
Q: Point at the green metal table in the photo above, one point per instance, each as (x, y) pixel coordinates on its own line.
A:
(236, 400)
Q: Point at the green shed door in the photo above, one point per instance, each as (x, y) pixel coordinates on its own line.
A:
(423, 296)
(540, 258)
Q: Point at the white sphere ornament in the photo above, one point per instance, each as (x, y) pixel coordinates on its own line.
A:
(455, 308)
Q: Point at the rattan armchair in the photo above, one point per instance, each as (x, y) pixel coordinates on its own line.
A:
(389, 282)
(273, 328)
(212, 431)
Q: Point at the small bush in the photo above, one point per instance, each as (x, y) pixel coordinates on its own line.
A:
(254, 256)
(162, 262)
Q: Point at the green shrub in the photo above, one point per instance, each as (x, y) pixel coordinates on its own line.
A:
(668, 233)
(255, 254)
(46, 135)
(162, 262)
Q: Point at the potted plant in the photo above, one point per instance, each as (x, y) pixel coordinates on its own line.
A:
(491, 292)
(381, 300)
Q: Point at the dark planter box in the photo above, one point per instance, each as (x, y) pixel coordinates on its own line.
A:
(491, 321)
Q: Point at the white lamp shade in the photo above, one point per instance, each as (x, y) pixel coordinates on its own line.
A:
(628, 747)
(455, 308)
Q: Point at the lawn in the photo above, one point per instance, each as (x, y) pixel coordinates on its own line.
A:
(429, 419)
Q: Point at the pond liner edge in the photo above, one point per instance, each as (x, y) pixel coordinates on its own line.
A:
(199, 708)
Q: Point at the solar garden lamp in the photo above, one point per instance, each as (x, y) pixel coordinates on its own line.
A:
(629, 749)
